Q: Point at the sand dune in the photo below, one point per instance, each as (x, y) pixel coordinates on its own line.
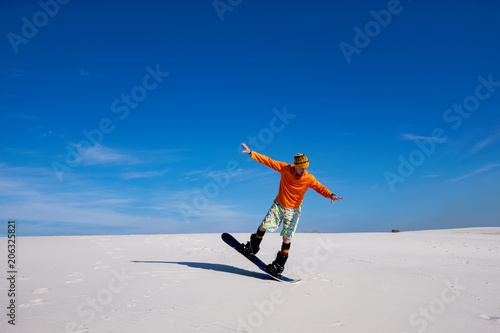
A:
(424, 281)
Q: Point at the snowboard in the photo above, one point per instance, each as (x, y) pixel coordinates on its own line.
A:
(231, 241)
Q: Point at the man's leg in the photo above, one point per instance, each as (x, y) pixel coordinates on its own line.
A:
(256, 238)
(285, 246)
(270, 222)
(258, 235)
(290, 220)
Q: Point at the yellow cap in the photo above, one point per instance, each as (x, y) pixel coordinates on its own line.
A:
(301, 161)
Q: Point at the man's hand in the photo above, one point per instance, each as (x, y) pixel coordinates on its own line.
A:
(247, 150)
(334, 197)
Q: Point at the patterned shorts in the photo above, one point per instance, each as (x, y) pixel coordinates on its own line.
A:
(277, 214)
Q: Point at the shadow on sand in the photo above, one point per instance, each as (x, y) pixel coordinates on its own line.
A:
(212, 267)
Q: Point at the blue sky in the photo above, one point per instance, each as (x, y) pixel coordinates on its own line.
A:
(124, 117)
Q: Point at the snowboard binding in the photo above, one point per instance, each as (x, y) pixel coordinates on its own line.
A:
(278, 265)
(251, 248)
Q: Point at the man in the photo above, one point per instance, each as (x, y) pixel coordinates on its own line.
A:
(295, 181)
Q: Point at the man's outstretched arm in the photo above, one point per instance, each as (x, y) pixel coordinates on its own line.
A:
(321, 189)
(263, 159)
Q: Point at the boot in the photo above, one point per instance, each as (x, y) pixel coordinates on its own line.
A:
(251, 248)
(278, 265)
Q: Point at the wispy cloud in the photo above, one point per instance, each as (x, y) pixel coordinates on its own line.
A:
(101, 155)
(84, 72)
(486, 142)
(30, 194)
(410, 136)
(48, 134)
(144, 174)
(161, 155)
(114, 201)
(12, 72)
(231, 177)
(480, 170)
(194, 174)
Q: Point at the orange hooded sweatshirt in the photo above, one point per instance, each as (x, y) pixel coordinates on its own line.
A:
(292, 188)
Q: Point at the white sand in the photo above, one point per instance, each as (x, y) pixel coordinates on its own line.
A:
(425, 281)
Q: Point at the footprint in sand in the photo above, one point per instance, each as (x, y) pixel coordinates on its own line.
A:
(34, 302)
(40, 291)
(101, 265)
(492, 318)
(81, 329)
(75, 275)
(111, 253)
